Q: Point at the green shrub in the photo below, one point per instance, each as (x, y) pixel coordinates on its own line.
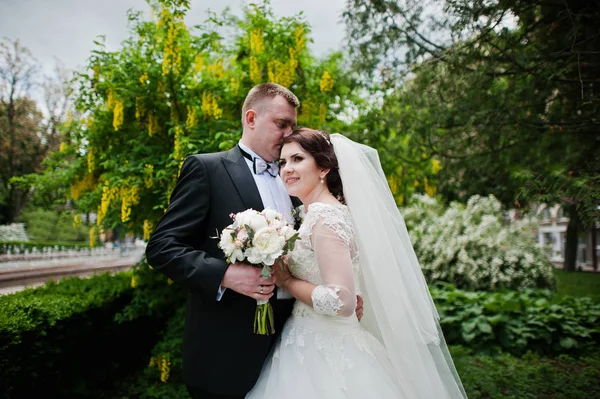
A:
(517, 321)
(63, 340)
(162, 377)
(472, 247)
(46, 225)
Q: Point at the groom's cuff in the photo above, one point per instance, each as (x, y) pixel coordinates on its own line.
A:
(282, 294)
(220, 293)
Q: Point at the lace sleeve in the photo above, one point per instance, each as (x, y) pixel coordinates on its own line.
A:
(330, 241)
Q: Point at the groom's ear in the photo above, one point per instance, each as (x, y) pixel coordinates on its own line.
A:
(250, 118)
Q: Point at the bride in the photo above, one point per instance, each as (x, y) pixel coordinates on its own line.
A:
(353, 242)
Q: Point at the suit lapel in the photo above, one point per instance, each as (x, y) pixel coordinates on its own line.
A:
(242, 178)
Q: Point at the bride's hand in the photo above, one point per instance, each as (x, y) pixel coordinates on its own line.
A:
(282, 277)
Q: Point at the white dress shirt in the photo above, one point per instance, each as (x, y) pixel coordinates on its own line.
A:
(273, 195)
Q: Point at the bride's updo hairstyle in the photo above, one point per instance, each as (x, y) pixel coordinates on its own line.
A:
(318, 144)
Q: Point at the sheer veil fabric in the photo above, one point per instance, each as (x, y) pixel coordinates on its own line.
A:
(398, 308)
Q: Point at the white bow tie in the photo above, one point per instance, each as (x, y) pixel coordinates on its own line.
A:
(259, 165)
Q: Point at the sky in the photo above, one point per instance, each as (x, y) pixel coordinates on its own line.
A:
(65, 30)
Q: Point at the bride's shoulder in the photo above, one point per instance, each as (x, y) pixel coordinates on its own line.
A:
(320, 209)
(335, 216)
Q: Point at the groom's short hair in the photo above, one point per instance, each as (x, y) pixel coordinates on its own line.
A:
(267, 90)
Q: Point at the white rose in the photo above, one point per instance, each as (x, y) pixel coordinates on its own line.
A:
(251, 218)
(267, 246)
(271, 215)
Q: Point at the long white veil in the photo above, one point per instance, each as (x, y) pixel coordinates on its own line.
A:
(398, 307)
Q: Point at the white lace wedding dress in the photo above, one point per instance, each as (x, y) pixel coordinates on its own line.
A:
(323, 351)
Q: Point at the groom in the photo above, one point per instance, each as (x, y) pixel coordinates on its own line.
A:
(222, 357)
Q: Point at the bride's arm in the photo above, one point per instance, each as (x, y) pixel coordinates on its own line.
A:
(337, 296)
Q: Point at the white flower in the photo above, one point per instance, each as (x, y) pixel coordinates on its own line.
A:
(267, 246)
(271, 215)
(287, 232)
(230, 246)
(251, 218)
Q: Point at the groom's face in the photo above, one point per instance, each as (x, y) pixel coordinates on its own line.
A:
(275, 119)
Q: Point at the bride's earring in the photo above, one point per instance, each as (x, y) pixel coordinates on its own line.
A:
(322, 180)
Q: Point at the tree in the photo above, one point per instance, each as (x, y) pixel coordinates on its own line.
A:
(26, 135)
(504, 93)
(21, 148)
(172, 91)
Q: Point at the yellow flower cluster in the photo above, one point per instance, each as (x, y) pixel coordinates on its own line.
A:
(326, 83)
(92, 236)
(134, 280)
(308, 109)
(210, 106)
(148, 227)
(90, 161)
(435, 166)
(257, 41)
(129, 197)
(177, 151)
(140, 108)
(118, 116)
(255, 73)
(63, 147)
(322, 112)
(190, 122)
(393, 183)
(216, 69)
(87, 183)
(163, 363)
(152, 124)
(77, 221)
(108, 194)
(143, 78)
(235, 86)
(171, 54)
(199, 63)
(430, 190)
(169, 281)
(299, 36)
(283, 73)
(174, 114)
(110, 100)
(148, 175)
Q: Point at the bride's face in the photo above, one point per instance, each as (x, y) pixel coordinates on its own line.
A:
(299, 171)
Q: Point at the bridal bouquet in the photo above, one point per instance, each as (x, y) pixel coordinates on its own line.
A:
(261, 239)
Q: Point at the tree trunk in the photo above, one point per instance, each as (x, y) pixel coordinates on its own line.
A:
(594, 255)
(572, 239)
(16, 203)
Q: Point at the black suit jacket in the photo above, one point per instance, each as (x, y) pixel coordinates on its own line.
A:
(221, 353)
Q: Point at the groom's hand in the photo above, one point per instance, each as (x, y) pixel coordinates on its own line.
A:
(246, 280)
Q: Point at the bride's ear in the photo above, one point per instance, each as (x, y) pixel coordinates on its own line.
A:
(324, 173)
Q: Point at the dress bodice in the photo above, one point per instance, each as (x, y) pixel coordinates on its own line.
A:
(330, 227)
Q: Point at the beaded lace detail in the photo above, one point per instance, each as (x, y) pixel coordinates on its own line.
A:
(303, 262)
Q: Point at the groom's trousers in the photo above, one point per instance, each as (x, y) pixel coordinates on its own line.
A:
(197, 393)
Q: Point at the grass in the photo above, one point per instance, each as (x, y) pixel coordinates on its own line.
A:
(578, 284)
(529, 376)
